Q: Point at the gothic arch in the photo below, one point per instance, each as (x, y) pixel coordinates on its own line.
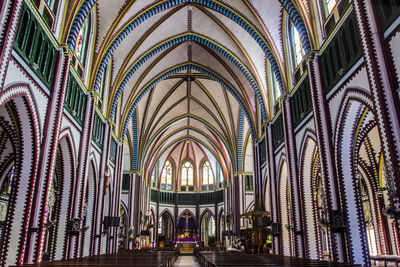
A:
(18, 100)
(285, 218)
(91, 197)
(355, 113)
(168, 212)
(67, 157)
(308, 162)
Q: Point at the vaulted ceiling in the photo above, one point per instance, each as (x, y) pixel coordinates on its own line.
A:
(188, 70)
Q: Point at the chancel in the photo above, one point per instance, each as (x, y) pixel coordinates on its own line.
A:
(199, 132)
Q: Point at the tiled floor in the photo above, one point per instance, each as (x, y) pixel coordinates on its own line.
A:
(186, 261)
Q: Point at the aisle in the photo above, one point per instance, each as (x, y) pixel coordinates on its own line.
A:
(186, 261)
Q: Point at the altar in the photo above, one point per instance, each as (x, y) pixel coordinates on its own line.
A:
(186, 244)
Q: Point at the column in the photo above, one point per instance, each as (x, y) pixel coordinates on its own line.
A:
(103, 177)
(291, 156)
(47, 159)
(271, 170)
(258, 190)
(323, 130)
(236, 204)
(383, 85)
(117, 192)
(131, 208)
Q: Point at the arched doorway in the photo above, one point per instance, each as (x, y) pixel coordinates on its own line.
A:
(165, 228)
(363, 180)
(19, 132)
(208, 229)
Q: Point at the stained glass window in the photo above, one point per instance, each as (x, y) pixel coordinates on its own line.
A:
(187, 174)
(329, 5)
(160, 225)
(10, 180)
(211, 226)
(153, 176)
(275, 88)
(166, 177)
(221, 175)
(297, 49)
(80, 42)
(208, 176)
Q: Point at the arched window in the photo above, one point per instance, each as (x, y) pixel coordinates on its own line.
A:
(221, 175)
(153, 179)
(328, 6)
(166, 176)
(276, 91)
(7, 184)
(297, 48)
(208, 176)
(187, 174)
(82, 41)
(211, 226)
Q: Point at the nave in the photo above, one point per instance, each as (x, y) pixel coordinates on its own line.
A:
(248, 132)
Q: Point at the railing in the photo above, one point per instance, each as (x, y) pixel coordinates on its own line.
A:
(187, 198)
(343, 51)
(388, 11)
(301, 103)
(75, 100)
(98, 130)
(113, 150)
(35, 47)
(277, 131)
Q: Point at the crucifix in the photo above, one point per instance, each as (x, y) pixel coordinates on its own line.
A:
(187, 215)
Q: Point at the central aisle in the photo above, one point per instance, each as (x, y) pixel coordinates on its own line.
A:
(186, 261)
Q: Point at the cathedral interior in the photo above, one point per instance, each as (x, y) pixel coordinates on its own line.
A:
(225, 132)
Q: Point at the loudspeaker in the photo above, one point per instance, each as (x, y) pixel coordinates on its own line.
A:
(75, 225)
(337, 219)
(266, 221)
(116, 221)
(107, 221)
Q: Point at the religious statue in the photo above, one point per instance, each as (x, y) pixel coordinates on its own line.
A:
(107, 178)
(146, 220)
(141, 216)
(230, 218)
(131, 232)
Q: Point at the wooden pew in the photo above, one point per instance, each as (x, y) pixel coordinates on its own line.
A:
(219, 259)
(124, 258)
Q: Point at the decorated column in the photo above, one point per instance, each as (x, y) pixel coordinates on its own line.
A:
(47, 160)
(383, 85)
(323, 130)
(291, 156)
(271, 170)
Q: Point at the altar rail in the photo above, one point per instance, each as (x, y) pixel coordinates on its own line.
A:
(216, 259)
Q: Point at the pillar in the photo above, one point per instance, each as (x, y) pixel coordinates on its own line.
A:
(323, 130)
(271, 170)
(290, 146)
(47, 159)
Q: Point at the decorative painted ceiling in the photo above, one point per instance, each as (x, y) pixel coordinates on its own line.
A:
(180, 70)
